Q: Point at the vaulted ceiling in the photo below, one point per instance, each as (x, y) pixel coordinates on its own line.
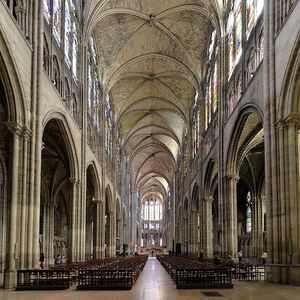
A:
(152, 54)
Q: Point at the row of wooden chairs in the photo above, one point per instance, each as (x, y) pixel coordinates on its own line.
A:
(189, 272)
(108, 273)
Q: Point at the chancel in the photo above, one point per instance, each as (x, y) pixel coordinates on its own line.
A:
(150, 145)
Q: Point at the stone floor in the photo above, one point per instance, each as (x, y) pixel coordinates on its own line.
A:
(155, 284)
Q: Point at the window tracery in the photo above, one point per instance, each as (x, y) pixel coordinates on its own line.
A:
(61, 14)
(211, 95)
(47, 10)
(240, 23)
(93, 91)
(152, 210)
(108, 127)
(56, 22)
(248, 213)
(195, 127)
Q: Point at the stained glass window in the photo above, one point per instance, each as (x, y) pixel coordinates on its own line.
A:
(249, 17)
(68, 34)
(152, 210)
(259, 8)
(57, 20)
(196, 126)
(248, 213)
(230, 43)
(151, 213)
(74, 50)
(93, 98)
(146, 217)
(238, 16)
(215, 89)
(212, 45)
(47, 9)
(90, 89)
(108, 126)
(211, 99)
(238, 29)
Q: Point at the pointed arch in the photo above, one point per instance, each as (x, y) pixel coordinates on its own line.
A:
(239, 142)
(108, 199)
(12, 84)
(68, 138)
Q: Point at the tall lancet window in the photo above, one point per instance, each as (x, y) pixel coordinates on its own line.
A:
(211, 94)
(240, 23)
(47, 10)
(196, 126)
(56, 22)
(93, 97)
(108, 127)
(71, 45)
(248, 213)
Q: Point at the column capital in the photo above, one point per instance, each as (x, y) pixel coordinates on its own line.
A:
(209, 199)
(233, 176)
(293, 119)
(15, 128)
(74, 181)
(97, 201)
(26, 133)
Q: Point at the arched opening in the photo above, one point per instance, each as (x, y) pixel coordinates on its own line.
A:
(210, 211)
(4, 164)
(185, 228)
(152, 221)
(118, 227)
(195, 223)
(91, 215)
(108, 219)
(216, 240)
(56, 194)
(245, 185)
(244, 217)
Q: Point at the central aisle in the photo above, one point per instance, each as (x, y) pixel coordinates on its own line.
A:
(154, 283)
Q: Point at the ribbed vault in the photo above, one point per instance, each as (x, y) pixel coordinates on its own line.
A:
(151, 59)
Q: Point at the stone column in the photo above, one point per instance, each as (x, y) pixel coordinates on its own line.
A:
(231, 217)
(112, 238)
(99, 243)
(208, 229)
(293, 206)
(81, 195)
(74, 226)
(3, 222)
(48, 232)
(10, 274)
(194, 233)
(133, 219)
(24, 205)
(257, 228)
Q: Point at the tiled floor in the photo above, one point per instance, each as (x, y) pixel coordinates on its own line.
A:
(155, 284)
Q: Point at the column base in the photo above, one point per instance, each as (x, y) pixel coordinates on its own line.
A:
(286, 274)
(10, 279)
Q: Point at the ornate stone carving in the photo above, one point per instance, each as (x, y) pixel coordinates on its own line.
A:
(15, 128)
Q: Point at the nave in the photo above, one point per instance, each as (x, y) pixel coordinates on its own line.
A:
(130, 127)
(155, 283)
